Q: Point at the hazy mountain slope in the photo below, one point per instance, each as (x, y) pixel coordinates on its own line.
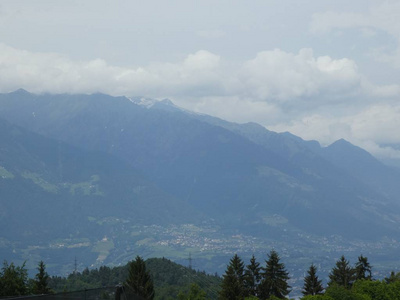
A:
(328, 161)
(241, 182)
(157, 142)
(303, 154)
(50, 188)
(345, 165)
(363, 166)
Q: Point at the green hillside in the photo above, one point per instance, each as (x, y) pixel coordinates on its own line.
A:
(169, 279)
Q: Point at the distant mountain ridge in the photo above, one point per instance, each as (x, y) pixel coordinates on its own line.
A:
(342, 154)
(153, 162)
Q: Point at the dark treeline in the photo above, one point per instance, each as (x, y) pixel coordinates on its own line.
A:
(14, 280)
(169, 280)
(160, 278)
(346, 282)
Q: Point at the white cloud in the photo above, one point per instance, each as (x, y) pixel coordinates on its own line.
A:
(377, 122)
(383, 16)
(233, 108)
(199, 74)
(316, 126)
(386, 153)
(286, 77)
(272, 76)
(49, 72)
(314, 97)
(371, 128)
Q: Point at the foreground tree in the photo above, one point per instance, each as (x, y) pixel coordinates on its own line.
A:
(317, 297)
(13, 280)
(195, 293)
(40, 283)
(377, 289)
(342, 274)
(232, 286)
(274, 278)
(363, 269)
(252, 277)
(337, 292)
(312, 285)
(394, 277)
(139, 281)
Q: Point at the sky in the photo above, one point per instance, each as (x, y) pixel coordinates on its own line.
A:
(320, 69)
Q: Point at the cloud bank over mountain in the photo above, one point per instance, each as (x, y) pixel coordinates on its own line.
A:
(322, 70)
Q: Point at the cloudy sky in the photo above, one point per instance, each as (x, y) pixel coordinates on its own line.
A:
(322, 70)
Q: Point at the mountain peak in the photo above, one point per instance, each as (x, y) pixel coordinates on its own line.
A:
(20, 91)
(167, 101)
(345, 153)
(341, 142)
(143, 101)
(344, 145)
(255, 125)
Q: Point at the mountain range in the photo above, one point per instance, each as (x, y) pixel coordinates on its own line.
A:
(70, 164)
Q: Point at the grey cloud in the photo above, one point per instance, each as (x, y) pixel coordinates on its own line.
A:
(272, 76)
(381, 16)
(315, 97)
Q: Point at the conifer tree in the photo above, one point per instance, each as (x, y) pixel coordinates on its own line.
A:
(363, 269)
(13, 280)
(40, 283)
(394, 277)
(139, 281)
(274, 278)
(343, 274)
(232, 286)
(231, 289)
(312, 285)
(252, 277)
(195, 293)
(238, 266)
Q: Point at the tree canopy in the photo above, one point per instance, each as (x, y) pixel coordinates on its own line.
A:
(13, 280)
(232, 286)
(252, 277)
(342, 274)
(139, 281)
(363, 269)
(312, 285)
(41, 281)
(274, 278)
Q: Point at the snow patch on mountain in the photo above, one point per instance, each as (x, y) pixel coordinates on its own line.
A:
(164, 104)
(142, 101)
